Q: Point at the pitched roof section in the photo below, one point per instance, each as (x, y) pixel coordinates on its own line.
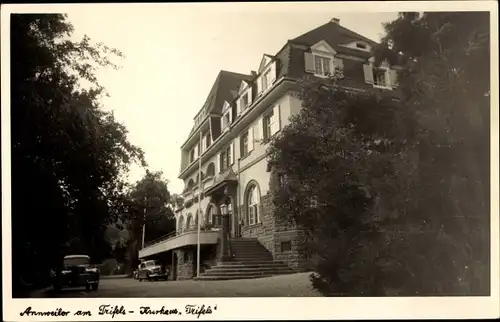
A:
(227, 84)
(223, 89)
(335, 35)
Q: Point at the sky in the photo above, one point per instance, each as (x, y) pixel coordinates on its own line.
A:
(173, 53)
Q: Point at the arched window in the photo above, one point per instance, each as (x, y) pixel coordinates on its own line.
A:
(189, 221)
(212, 217)
(180, 224)
(211, 170)
(252, 205)
(191, 183)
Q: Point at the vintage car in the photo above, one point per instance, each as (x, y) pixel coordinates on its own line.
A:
(152, 270)
(135, 274)
(76, 271)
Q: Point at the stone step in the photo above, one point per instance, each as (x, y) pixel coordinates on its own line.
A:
(252, 253)
(250, 265)
(256, 262)
(245, 273)
(257, 270)
(232, 277)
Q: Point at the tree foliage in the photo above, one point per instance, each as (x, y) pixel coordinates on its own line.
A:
(148, 203)
(69, 157)
(394, 196)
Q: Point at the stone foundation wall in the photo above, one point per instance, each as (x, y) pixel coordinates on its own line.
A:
(290, 248)
(185, 265)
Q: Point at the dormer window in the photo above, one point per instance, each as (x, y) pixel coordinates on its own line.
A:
(244, 102)
(226, 116)
(322, 65)
(380, 77)
(208, 140)
(191, 156)
(361, 46)
(266, 80)
(226, 120)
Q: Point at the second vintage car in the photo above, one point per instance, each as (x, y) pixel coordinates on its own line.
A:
(152, 270)
(76, 271)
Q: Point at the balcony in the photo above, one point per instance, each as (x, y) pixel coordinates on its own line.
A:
(175, 240)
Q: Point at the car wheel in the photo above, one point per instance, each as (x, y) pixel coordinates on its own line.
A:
(148, 278)
(95, 286)
(87, 287)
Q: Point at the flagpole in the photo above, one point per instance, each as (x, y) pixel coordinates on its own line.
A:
(199, 209)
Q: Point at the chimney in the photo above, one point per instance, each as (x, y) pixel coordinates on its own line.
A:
(336, 20)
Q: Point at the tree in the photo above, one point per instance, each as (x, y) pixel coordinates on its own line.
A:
(69, 157)
(149, 203)
(339, 164)
(394, 197)
(447, 83)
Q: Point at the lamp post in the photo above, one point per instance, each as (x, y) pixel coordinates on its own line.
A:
(224, 240)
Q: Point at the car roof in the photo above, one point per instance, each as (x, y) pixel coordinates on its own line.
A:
(76, 256)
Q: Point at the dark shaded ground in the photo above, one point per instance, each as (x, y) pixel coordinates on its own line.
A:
(296, 285)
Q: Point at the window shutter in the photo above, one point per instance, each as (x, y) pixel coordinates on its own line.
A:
(258, 130)
(273, 72)
(276, 119)
(338, 63)
(250, 97)
(230, 116)
(231, 148)
(222, 123)
(393, 77)
(238, 107)
(259, 85)
(250, 139)
(196, 151)
(309, 62)
(218, 165)
(368, 70)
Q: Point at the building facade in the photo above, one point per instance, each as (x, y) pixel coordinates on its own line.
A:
(229, 138)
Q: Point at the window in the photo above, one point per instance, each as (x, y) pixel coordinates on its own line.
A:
(180, 227)
(286, 246)
(191, 156)
(244, 144)
(217, 220)
(226, 120)
(225, 159)
(322, 65)
(360, 46)
(244, 102)
(379, 77)
(211, 170)
(253, 205)
(268, 125)
(208, 140)
(266, 80)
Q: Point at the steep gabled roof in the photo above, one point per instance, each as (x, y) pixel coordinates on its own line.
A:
(335, 35)
(223, 89)
(227, 82)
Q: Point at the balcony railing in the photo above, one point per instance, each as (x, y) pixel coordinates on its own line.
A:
(176, 240)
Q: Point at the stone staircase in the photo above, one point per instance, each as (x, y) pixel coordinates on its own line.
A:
(249, 260)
